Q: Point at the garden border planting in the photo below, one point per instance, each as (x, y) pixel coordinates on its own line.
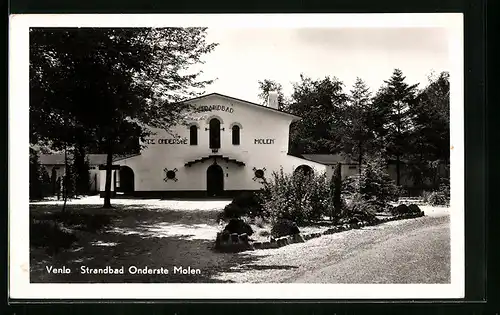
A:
(226, 242)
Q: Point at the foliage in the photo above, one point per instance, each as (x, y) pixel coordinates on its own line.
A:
(391, 118)
(100, 85)
(247, 204)
(359, 209)
(39, 180)
(320, 104)
(238, 226)
(337, 188)
(437, 198)
(284, 227)
(80, 170)
(297, 197)
(357, 136)
(375, 185)
(430, 137)
(267, 86)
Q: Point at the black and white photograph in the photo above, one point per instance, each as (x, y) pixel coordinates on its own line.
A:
(237, 156)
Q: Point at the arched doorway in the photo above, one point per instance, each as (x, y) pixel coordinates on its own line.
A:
(214, 141)
(126, 179)
(215, 181)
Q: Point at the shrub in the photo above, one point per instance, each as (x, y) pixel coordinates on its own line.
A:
(374, 185)
(233, 211)
(238, 226)
(299, 197)
(246, 204)
(361, 210)
(283, 227)
(437, 198)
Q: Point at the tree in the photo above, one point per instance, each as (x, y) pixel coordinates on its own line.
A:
(267, 86)
(320, 104)
(392, 114)
(337, 197)
(98, 84)
(357, 136)
(80, 169)
(375, 185)
(35, 184)
(430, 137)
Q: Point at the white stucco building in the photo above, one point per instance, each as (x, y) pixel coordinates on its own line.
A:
(223, 151)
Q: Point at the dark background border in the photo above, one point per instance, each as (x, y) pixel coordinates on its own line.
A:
(475, 141)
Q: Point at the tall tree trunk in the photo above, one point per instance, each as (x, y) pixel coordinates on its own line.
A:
(107, 187)
(397, 169)
(360, 157)
(66, 171)
(337, 198)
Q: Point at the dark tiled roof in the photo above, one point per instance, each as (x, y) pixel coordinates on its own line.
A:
(58, 159)
(328, 159)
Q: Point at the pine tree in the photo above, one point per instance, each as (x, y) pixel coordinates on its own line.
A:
(392, 112)
(376, 186)
(430, 137)
(357, 136)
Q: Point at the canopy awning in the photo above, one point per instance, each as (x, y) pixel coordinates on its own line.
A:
(206, 158)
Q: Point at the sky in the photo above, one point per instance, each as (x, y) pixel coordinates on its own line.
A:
(244, 56)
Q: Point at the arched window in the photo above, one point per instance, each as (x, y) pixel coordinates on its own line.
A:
(236, 134)
(193, 135)
(214, 134)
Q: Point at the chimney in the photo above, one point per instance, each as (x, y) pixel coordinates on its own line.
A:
(272, 100)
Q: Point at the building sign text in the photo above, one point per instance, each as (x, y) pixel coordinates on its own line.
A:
(167, 141)
(263, 141)
(208, 108)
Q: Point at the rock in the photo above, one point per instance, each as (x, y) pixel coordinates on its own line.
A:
(257, 245)
(234, 238)
(297, 238)
(244, 238)
(284, 227)
(414, 208)
(401, 209)
(266, 245)
(281, 241)
(353, 220)
(238, 226)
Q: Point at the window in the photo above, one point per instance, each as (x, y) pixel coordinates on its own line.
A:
(214, 134)
(193, 135)
(236, 135)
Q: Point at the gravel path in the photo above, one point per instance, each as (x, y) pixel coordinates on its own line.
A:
(406, 251)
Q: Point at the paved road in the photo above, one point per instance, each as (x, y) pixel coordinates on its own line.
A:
(406, 251)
